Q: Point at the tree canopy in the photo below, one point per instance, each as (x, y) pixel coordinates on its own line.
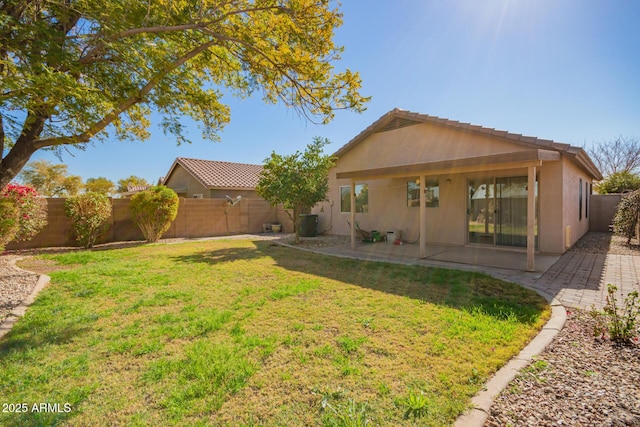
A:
(75, 71)
(298, 181)
(621, 154)
(51, 180)
(619, 182)
(100, 185)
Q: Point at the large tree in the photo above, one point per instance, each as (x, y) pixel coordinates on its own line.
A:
(298, 181)
(51, 180)
(72, 71)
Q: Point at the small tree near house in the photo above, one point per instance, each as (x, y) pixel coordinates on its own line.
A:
(298, 181)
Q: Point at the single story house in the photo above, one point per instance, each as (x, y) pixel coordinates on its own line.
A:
(203, 179)
(438, 181)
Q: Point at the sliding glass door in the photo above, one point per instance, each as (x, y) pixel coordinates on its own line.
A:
(481, 211)
(497, 211)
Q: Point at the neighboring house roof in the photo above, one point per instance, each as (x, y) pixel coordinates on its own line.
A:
(213, 174)
(398, 118)
(137, 188)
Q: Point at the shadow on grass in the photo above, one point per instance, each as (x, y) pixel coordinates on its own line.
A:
(220, 256)
(22, 336)
(453, 288)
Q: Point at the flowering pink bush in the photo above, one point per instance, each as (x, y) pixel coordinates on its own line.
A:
(30, 212)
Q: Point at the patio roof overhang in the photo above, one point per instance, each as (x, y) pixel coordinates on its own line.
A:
(528, 159)
(518, 159)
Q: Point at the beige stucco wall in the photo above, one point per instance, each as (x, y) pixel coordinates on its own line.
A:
(447, 223)
(550, 196)
(220, 194)
(181, 179)
(419, 144)
(571, 179)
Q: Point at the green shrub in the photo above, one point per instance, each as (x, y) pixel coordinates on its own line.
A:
(31, 211)
(619, 182)
(8, 222)
(625, 221)
(153, 210)
(89, 213)
(620, 323)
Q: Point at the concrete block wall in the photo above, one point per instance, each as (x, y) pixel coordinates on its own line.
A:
(602, 209)
(196, 218)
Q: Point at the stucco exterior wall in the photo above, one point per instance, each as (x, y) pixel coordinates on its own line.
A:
(220, 194)
(557, 187)
(550, 201)
(570, 203)
(181, 179)
(418, 144)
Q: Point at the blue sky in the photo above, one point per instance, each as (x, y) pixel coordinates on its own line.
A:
(565, 70)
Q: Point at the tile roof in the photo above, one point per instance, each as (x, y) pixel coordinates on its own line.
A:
(398, 118)
(215, 174)
(136, 188)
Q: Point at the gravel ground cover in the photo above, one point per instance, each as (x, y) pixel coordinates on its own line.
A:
(15, 285)
(577, 381)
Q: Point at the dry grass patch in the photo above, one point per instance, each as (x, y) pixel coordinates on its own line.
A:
(247, 333)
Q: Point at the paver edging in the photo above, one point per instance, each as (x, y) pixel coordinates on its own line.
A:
(20, 310)
(482, 401)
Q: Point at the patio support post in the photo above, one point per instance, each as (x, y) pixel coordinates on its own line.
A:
(531, 218)
(423, 217)
(353, 215)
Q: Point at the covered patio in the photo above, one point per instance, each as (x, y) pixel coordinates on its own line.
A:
(462, 257)
(528, 161)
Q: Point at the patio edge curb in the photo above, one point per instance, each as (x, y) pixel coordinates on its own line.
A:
(482, 401)
(18, 311)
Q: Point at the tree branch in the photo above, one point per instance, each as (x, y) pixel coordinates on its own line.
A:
(96, 51)
(297, 86)
(113, 115)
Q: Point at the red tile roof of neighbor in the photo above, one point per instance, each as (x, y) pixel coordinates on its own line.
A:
(216, 174)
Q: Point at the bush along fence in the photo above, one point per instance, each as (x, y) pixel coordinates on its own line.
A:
(195, 218)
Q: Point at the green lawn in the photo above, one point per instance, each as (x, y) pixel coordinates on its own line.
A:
(242, 333)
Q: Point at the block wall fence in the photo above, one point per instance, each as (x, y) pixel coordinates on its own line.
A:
(602, 210)
(196, 218)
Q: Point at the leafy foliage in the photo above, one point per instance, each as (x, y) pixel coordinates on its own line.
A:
(32, 210)
(416, 405)
(75, 71)
(100, 185)
(8, 221)
(51, 180)
(619, 182)
(89, 214)
(620, 323)
(298, 181)
(153, 210)
(625, 221)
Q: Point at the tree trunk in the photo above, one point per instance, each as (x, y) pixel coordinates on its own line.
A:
(13, 163)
